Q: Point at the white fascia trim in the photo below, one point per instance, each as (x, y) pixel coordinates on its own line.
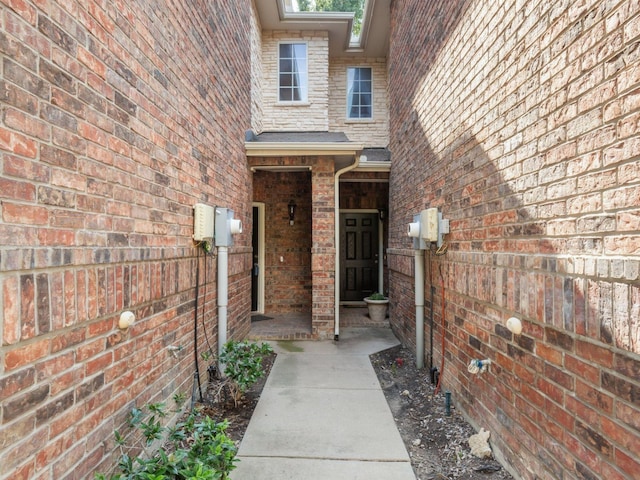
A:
(280, 149)
(373, 166)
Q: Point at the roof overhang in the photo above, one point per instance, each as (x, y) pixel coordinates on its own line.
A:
(372, 42)
(296, 149)
(366, 166)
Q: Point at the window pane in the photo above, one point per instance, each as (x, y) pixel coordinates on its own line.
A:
(300, 50)
(285, 50)
(285, 65)
(293, 72)
(359, 92)
(285, 95)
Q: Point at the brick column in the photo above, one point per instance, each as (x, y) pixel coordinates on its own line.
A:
(323, 248)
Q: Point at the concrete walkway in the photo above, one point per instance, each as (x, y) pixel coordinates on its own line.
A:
(322, 415)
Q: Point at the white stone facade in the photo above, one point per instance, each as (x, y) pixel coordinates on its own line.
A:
(326, 107)
(372, 132)
(256, 72)
(310, 116)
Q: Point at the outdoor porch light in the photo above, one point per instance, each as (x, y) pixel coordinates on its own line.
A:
(292, 211)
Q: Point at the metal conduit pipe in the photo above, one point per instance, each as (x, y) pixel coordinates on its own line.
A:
(223, 300)
(419, 294)
(225, 227)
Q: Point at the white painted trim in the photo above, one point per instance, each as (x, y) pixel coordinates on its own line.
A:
(364, 180)
(261, 253)
(278, 149)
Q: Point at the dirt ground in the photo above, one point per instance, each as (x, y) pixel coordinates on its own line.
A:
(437, 443)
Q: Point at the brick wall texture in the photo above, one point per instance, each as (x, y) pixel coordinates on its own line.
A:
(116, 117)
(288, 249)
(519, 120)
(304, 280)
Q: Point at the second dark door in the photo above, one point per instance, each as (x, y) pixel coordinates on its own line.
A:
(358, 255)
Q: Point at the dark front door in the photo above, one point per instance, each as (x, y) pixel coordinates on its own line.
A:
(358, 255)
(256, 265)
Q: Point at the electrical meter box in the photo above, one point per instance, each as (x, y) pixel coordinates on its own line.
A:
(225, 227)
(202, 222)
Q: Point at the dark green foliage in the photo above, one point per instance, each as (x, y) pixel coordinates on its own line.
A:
(209, 455)
(243, 365)
(377, 296)
(355, 6)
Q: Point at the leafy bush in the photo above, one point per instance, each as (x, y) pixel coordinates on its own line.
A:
(377, 296)
(243, 365)
(209, 454)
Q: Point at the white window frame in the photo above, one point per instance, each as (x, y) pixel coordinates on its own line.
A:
(348, 102)
(304, 87)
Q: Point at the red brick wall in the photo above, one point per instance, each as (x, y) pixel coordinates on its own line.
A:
(307, 247)
(116, 119)
(364, 195)
(323, 250)
(520, 121)
(287, 247)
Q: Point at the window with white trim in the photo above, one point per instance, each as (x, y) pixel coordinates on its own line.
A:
(292, 72)
(359, 93)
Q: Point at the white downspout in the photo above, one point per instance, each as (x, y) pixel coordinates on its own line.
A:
(419, 294)
(336, 328)
(225, 227)
(223, 299)
(380, 254)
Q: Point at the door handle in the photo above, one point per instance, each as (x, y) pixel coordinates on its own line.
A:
(256, 269)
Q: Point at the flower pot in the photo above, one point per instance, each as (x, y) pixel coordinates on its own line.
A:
(377, 309)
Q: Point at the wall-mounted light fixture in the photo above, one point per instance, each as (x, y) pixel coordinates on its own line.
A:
(292, 212)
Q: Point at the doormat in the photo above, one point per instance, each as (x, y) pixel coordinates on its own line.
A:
(259, 317)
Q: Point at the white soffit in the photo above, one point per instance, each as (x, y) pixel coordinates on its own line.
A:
(374, 38)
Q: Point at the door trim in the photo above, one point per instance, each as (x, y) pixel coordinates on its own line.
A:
(380, 249)
(261, 253)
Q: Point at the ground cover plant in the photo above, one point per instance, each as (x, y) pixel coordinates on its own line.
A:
(198, 446)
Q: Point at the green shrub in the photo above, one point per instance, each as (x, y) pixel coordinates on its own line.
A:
(208, 455)
(243, 365)
(377, 296)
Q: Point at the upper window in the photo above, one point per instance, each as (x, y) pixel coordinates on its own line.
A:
(293, 77)
(359, 98)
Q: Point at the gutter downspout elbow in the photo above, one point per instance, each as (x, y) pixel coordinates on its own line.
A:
(336, 188)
